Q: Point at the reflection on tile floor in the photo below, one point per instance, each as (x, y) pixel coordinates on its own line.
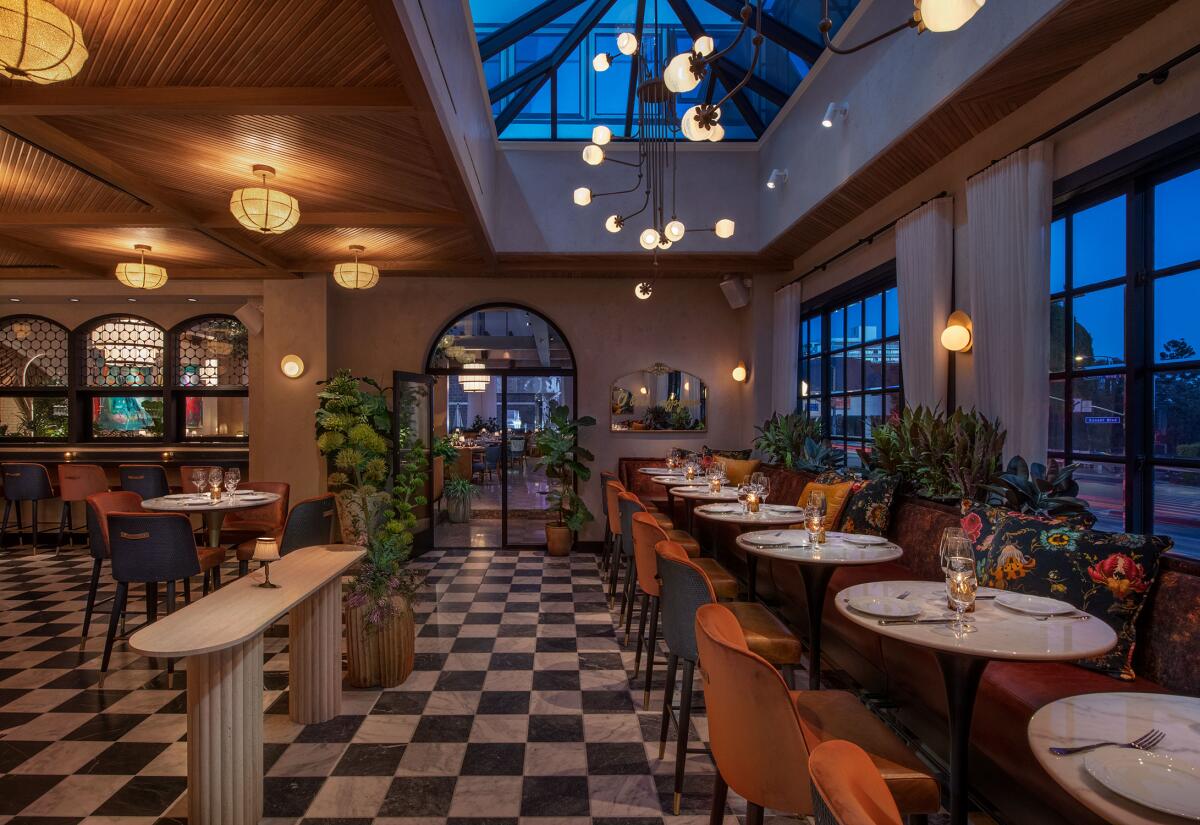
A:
(485, 533)
(519, 712)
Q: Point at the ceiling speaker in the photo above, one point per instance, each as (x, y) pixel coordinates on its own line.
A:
(251, 315)
(737, 291)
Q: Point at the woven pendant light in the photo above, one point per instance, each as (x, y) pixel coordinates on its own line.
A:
(141, 275)
(356, 275)
(39, 43)
(262, 209)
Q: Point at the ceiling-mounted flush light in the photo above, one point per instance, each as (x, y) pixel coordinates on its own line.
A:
(614, 223)
(593, 155)
(627, 43)
(356, 275)
(141, 275)
(832, 112)
(724, 228)
(582, 196)
(643, 291)
(39, 43)
(601, 62)
(262, 209)
(777, 178)
(601, 135)
(959, 332)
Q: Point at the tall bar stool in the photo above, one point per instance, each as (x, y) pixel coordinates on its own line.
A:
(607, 548)
(611, 490)
(24, 482)
(761, 733)
(150, 548)
(98, 507)
(627, 505)
(686, 588)
(147, 480)
(309, 523)
(268, 520)
(849, 788)
(75, 483)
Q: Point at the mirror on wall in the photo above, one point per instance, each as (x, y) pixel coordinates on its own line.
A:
(658, 399)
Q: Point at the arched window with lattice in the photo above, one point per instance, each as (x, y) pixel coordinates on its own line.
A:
(121, 359)
(212, 373)
(34, 373)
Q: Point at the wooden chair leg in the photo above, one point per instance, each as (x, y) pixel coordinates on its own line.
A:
(720, 793)
(685, 722)
(243, 567)
(653, 643)
(187, 590)
(93, 587)
(62, 525)
(668, 697)
(118, 609)
(204, 586)
(630, 596)
(33, 516)
(4, 524)
(641, 635)
(20, 524)
(216, 577)
(754, 814)
(170, 609)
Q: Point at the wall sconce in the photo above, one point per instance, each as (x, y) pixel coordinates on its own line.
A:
(292, 366)
(833, 112)
(958, 334)
(739, 372)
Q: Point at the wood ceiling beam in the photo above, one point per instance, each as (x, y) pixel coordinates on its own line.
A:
(22, 100)
(52, 257)
(53, 141)
(224, 220)
(391, 30)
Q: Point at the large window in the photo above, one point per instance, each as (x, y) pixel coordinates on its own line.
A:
(1124, 367)
(33, 379)
(850, 360)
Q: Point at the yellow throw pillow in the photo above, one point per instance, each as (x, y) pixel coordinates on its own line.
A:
(737, 469)
(836, 496)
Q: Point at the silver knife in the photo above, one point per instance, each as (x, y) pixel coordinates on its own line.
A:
(916, 621)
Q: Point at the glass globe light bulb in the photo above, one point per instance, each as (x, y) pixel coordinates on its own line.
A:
(601, 62)
(643, 291)
(674, 230)
(948, 15)
(717, 133)
(692, 130)
(601, 135)
(613, 224)
(956, 338)
(704, 45)
(678, 75)
(593, 155)
(724, 228)
(626, 43)
(649, 238)
(583, 196)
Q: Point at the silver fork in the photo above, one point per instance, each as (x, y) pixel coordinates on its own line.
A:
(1079, 617)
(1145, 742)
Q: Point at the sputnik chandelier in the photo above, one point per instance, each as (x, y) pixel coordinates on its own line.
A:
(658, 127)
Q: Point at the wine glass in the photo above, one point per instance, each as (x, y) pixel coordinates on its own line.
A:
(950, 536)
(233, 477)
(215, 476)
(764, 487)
(961, 583)
(198, 477)
(743, 493)
(814, 515)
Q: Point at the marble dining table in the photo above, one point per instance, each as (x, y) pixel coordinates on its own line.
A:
(768, 515)
(213, 512)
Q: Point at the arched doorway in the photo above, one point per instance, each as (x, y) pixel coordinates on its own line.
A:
(497, 369)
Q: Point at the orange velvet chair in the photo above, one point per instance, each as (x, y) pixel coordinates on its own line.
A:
(627, 505)
(75, 483)
(849, 790)
(606, 549)
(242, 525)
(761, 733)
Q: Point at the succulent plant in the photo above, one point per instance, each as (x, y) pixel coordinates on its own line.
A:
(817, 458)
(1038, 490)
(783, 438)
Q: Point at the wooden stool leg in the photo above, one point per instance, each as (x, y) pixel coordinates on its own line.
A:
(224, 735)
(720, 793)
(315, 656)
(668, 697)
(62, 525)
(93, 587)
(685, 722)
(653, 643)
(20, 525)
(641, 639)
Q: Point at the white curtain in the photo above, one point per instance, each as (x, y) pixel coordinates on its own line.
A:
(1008, 212)
(924, 274)
(785, 351)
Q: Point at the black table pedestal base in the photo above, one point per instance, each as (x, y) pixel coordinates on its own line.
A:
(961, 675)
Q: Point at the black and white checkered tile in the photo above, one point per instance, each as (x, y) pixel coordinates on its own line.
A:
(519, 711)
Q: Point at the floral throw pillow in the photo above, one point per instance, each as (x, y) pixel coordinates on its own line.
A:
(869, 509)
(1106, 574)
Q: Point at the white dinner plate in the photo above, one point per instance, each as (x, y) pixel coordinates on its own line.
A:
(1165, 783)
(784, 508)
(885, 607)
(1034, 605)
(864, 540)
(766, 540)
(722, 509)
(180, 496)
(691, 489)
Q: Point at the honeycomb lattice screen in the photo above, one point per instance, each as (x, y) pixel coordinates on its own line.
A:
(33, 353)
(214, 352)
(123, 352)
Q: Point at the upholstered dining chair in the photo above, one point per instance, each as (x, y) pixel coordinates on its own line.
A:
(761, 733)
(243, 525)
(607, 546)
(627, 505)
(75, 483)
(310, 522)
(491, 460)
(98, 506)
(24, 482)
(849, 789)
(147, 480)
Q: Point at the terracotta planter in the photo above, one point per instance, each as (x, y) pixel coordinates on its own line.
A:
(559, 540)
(379, 657)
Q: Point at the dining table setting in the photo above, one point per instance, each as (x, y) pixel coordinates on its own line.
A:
(216, 494)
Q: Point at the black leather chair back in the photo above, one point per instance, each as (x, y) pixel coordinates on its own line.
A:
(310, 523)
(26, 482)
(147, 480)
(152, 547)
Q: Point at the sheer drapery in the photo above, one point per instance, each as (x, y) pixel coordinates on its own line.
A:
(785, 351)
(1008, 213)
(924, 275)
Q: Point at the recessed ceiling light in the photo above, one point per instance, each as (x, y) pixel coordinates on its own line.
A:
(73, 300)
(193, 300)
(131, 300)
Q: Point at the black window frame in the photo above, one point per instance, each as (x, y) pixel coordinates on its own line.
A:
(61, 391)
(1136, 181)
(875, 282)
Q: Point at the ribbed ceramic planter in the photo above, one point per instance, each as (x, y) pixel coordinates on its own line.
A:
(383, 656)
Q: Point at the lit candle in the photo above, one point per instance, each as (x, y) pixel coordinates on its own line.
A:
(714, 484)
(752, 502)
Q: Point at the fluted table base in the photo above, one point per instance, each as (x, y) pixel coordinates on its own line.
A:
(225, 730)
(315, 656)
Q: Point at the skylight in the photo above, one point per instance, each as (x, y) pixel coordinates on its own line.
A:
(537, 60)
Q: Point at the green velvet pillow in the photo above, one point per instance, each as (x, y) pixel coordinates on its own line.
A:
(1106, 574)
(869, 510)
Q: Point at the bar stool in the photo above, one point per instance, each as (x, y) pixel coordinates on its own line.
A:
(150, 548)
(243, 525)
(75, 483)
(147, 480)
(24, 482)
(628, 504)
(309, 523)
(612, 490)
(761, 733)
(686, 588)
(849, 789)
(606, 548)
(98, 506)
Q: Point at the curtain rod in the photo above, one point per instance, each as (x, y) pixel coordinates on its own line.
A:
(1158, 76)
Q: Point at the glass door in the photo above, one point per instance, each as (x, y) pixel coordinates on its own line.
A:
(526, 405)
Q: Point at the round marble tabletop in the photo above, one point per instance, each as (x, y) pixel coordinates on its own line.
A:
(1000, 633)
(659, 471)
(197, 503)
(701, 492)
(1113, 717)
(677, 481)
(766, 516)
(836, 551)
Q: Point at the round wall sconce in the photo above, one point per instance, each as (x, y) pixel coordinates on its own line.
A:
(958, 334)
(292, 366)
(739, 372)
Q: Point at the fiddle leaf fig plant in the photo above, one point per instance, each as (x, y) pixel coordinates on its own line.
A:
(565, 461)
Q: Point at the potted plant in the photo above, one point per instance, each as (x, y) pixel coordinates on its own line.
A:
(784, 439)
(458, 493)
(563, 460)
(378, 503)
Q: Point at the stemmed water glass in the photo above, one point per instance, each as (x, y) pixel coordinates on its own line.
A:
(961, 580)
(198, 477)
(814, 515)
(233, 477)
(215, 476)
(743, 494)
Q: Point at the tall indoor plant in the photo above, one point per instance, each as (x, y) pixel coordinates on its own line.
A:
(377, 500)
(564, 462)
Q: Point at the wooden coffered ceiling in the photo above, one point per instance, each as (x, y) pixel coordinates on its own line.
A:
(178, 100)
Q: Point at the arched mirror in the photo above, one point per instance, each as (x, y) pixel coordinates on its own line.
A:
(658, 399)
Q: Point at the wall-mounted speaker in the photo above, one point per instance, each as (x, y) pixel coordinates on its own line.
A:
(251, 315)
(737, 291)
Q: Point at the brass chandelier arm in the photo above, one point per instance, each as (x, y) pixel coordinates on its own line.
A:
(826, 25)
